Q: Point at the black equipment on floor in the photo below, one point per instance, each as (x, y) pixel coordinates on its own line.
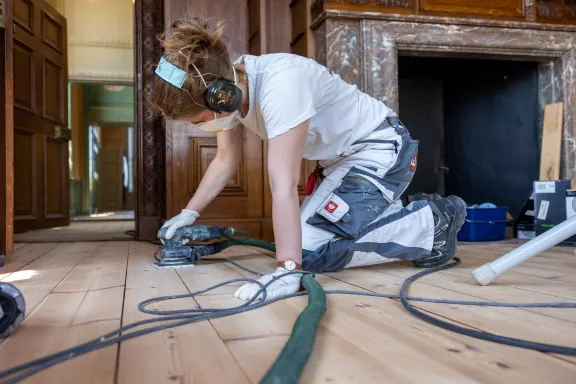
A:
(12, 309)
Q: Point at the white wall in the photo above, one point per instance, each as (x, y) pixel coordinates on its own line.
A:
(100, 39)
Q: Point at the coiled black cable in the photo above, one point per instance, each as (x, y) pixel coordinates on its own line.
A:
(187, 316)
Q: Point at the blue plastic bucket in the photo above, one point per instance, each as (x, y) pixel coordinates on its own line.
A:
(484, 224)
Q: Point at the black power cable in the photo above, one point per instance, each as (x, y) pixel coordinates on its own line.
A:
(187, 316)
(472, 332)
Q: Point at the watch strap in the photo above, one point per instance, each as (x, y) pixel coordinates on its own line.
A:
(282, 264)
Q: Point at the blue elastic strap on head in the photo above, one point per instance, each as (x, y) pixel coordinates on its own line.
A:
(171, 73)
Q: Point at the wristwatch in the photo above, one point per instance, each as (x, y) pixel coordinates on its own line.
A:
(289, 265)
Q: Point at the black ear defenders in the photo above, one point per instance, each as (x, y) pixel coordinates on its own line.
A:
(223, 96)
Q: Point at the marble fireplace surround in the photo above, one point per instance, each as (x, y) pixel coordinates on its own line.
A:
(365, 52)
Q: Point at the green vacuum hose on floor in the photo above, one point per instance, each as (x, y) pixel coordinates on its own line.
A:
(289, 366)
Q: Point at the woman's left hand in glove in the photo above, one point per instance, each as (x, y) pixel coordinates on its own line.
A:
(282, 286)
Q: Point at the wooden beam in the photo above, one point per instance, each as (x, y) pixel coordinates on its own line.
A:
(7, 135)
(150, 140)
(551, 142)
(78, 132)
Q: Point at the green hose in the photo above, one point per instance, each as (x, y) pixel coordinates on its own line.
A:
(244, 241)
(291, 362)
(289, 366)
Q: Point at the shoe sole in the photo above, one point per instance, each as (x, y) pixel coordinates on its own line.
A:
(451, 243)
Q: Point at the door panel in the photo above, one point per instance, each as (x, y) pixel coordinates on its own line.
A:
(110, 180)
(189, 156)
(55, 180)
(40, 116)
(23, 11)
(53, 100)
(24, 178)
(24, 92)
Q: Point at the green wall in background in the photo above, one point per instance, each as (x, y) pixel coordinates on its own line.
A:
(104, 106)
(100, 106)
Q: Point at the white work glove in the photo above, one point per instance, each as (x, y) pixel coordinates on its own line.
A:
(280, 287)
(183, 219)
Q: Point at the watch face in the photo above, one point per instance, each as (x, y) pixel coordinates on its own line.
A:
(290, 265)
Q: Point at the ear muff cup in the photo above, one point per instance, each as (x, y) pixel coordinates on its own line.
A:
(223, 96)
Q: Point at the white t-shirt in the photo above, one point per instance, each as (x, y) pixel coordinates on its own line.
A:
(286, 90)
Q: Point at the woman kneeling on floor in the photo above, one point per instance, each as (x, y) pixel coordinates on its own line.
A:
(353, 216)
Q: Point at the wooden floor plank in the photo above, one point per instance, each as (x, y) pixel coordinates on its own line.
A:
(78, 231)
(360, 340)
(451, 354)
(83, 306)
(494, 292)
(188, 354)
(41, 276)
(540, 266)
(512, 322)
(103, 267)
(24, 256)
(64, 320)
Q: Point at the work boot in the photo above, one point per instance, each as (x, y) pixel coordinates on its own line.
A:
(449, 215)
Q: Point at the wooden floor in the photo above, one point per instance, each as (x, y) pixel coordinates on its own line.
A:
(79, 291)
(79, 231)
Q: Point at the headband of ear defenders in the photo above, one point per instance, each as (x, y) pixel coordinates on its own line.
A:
(222, 95)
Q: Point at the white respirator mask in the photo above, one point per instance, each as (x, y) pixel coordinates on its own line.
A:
(221, 123)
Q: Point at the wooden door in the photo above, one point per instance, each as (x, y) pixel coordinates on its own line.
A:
(110, 180)
(6, 133)
(40, 117)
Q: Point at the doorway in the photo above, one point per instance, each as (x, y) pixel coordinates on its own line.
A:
(101, 163)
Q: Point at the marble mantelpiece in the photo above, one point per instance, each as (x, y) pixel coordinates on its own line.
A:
(364, 48)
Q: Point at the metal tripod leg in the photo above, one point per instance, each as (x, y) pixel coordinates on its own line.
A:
(485, 274)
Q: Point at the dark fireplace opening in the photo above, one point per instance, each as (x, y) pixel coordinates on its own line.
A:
(478, 126)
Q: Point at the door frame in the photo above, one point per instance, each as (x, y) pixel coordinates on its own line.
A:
(150, 142)
(7, 136)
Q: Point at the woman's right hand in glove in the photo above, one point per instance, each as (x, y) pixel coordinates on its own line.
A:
(183, 219)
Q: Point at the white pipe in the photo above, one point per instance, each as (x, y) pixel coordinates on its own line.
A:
(485, 274)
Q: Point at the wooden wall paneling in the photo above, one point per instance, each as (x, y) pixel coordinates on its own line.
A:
(150, 179)
(192, 151)
(385, 6)
(545, 11)
(7, 136)
(257, 27)
(189, 150)
(273, 35)
(487, 8)
(302, 37)
(236, 31)
(556, 11)
(279, 25)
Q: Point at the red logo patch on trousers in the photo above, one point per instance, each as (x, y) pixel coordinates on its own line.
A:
(413, 162)
(331, 206)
